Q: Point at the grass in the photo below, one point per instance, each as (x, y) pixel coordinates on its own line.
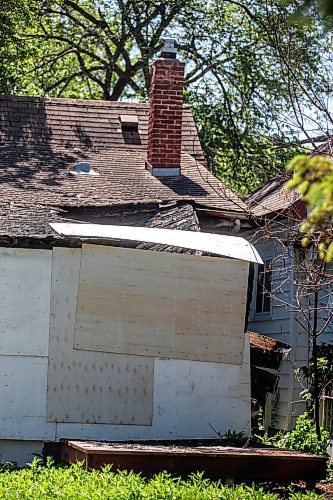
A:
(45, 482)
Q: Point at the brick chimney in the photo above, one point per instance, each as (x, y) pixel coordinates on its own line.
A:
(165, 113)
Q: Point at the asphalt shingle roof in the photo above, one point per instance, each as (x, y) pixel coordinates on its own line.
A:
(41, 141)
(273, 197)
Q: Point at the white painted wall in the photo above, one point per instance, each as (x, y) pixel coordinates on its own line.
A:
(187, 395)
(19, 452)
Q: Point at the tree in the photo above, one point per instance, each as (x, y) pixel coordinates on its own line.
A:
(313, 177)
(313, 284)
(324, 7)
(236, 81)
(15, 17)
(313, 174)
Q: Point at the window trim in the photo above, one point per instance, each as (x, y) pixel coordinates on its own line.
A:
(260, 315)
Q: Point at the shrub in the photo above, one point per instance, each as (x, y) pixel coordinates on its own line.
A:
(302, 438)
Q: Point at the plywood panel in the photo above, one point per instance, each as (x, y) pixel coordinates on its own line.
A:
(23, 398)
(159, 304)
(90, 387)
(25, 279)
(189, 398)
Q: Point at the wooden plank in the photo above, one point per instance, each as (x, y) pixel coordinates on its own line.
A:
(267, 352)
(158, 304)
(174, 448)
(90, 387)
(25, 278)
(216, 461)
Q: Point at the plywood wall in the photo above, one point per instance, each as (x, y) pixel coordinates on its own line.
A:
(189, 398)
(90, 387)
(161, 305)
(25, 278)
(50, 390)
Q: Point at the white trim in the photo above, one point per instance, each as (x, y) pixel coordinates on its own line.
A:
(227, 246)
(166, 171)
(256, 315)
(163, 171)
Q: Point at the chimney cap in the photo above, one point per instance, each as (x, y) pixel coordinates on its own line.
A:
(169, 49)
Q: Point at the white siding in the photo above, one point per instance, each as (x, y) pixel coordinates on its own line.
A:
(281, 324)
(276, 323)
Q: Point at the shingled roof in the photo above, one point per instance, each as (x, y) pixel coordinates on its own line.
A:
(273, 197)
(42, 139)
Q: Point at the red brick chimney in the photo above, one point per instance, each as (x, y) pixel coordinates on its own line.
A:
(165, 113)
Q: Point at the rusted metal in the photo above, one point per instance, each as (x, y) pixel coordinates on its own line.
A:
(264, 464)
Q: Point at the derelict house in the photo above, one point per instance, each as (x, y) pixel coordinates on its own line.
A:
(119, 318)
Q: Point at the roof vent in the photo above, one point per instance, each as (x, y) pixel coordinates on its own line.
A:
(83, 168)
(130, 121)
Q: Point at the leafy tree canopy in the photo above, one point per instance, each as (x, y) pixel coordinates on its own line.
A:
(247, 67)
(15, 17)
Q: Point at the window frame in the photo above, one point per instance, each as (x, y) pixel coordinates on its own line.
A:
(262, 315)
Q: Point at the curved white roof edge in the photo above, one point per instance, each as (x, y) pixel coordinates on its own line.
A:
(227, 246)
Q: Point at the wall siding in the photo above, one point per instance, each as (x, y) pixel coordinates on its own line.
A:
(180, 399)
(278, 324)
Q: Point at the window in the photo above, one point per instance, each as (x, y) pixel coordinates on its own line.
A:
(263, 295)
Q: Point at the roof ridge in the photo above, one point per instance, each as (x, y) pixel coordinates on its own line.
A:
(71, 101)
(77, 102)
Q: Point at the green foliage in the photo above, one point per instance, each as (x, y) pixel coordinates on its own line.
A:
(305, 11)
(302, 438)
(313, 177)
(234, 438)
(74, 483)
(239, 152)
(324, 368)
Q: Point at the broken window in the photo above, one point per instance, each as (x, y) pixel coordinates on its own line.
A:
(264, 287)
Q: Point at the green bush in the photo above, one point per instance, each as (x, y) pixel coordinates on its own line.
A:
(302, 438)
(73, 483)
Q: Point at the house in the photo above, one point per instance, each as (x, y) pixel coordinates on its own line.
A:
(282, 303)
(102, 336)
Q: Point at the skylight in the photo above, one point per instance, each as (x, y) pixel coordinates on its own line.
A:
(84, 168)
